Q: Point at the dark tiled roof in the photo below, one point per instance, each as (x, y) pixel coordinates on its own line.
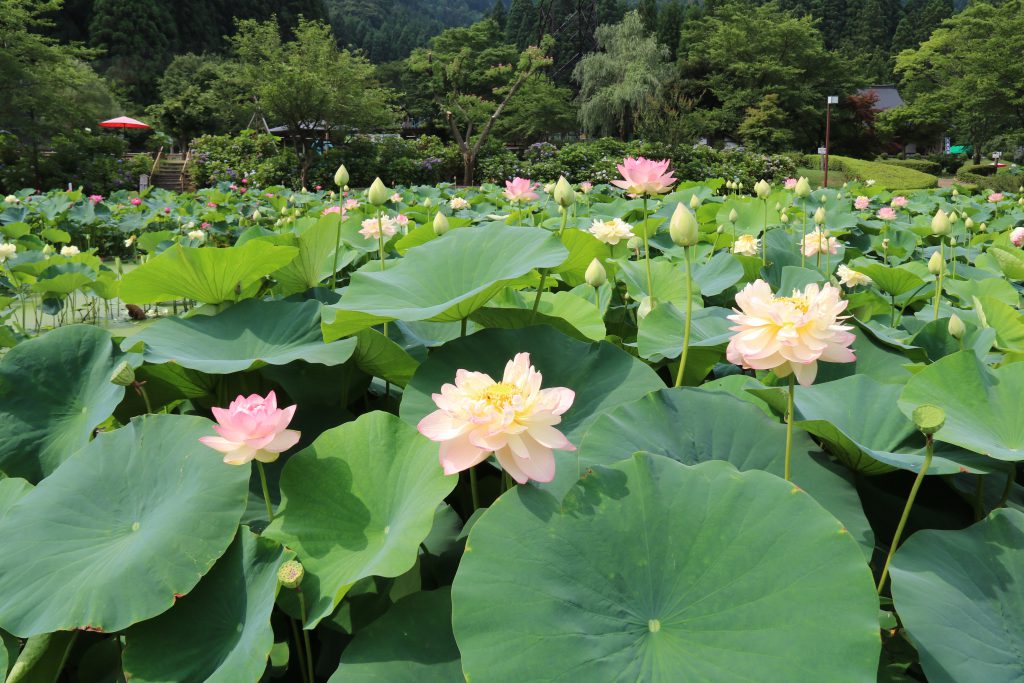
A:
(888, 96)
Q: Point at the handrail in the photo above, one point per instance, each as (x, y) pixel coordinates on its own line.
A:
(156, 162)
(184, 169)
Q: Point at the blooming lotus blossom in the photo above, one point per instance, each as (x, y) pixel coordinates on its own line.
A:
(11, 199)
(642, 176)
(332, 209)
(204, 226)
(861, 203)
(69, 250)
(586, 186)
(520, 190)
(1017, 236)
(513, 418)
(789, 334)
(790, 183)
(232, 186)
(252, 428)
(849, 277)
(95, 198)
(197, 235)
(136, 201)
(7, 250)
(373, 228)
(396, 198)
(212, 205)
(458, 203)
(748, 245)
(611, 232)
(318, 188)
(402, 220)
(351, 204)
(817, 241)
(898, 202)
(869, 182)
(995, 197)
(887, 213)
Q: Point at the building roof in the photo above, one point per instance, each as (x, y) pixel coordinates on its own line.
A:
(888, 96)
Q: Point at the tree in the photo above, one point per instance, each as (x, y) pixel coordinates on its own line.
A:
(764, 126)
(540, 108)
(670, 20)
(473, 76)
(520, 26)
(308, 84)
(136, 40)
(648, 11)
(619, 83)
(202, 94)
(499, 13)
(609, 12)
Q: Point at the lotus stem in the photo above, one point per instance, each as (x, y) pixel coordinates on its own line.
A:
(474, 492)
(141, 391)
(789, 424)
(686, 323)
(764, 237)
(305, 635)
(929, 452)
(544, 273)
(647, 257)
(266, 496)
(337, 248)
(938, 279)
(298, 648)
(803, 238)
(1011, 476)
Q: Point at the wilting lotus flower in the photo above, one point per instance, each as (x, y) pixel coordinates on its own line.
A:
(7, 250)
(748, 245)
(861, 203)
(817, 241)
(898, 202)
(520, 190)
(849, 277)
(611, 232)
(887, 213)
(136, 201)
(513, 418)
(373, 228)
(1017, 236)
(642, 176)
(69, 250)
(790, 183)
(995, 197)
(252, 428)
(458, 203)
(789, 334)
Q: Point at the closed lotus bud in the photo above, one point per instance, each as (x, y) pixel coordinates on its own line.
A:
(694, 202)
(47, 250)
(822, 199)
(378, 193)
(762, 189)
(564, 194)
(729, 185)
(739, 186)
(783, 217)
(952, 241)
(256, 215)
(290, 574)
(839, 196)
(983, 227)
(953, 217)
(440, 224)
(819, 216)
(549, 188)
(935, 263)
(1020, 189)
(428, 202)
(968, 223)
(733, 216)
(720, 229)
(596, 275)
(929, 419)
(956, 327)
(803, 188)
(778, 206)
(940, 223)
(683, 227)
(955, 192)
(634, 243)
(844, 185)
(1021, 201)
(123, 375)
(644, 308)
(340, 176)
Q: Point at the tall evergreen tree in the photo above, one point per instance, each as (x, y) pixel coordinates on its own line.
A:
(670, 20)
(136, 40)
(609, 12)
(648, 10)
(520, 26)
(499, 13)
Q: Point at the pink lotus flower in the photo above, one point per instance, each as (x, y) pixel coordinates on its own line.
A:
(789, 334)
(245, 181)
(995, 197)
(817, 241)
(520, 190)
(252, 428)
(586, 186)
(644, 176)
(396, 198)
(1017, 236)
(513, 418)
(268, 195)
(332, 209)
(204, 226)
(136, 201)
(167, 209)
(351, 204)
(402, 220)
(861, 203)
(318, 188)
(244, 190)
(898, 202)
(212, 205)
(95, 198)
(790, 183)
(232, 186)
(373, 228)
(887, 214)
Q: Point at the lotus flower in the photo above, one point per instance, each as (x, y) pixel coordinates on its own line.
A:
(136, 201)
(849, 277)
(887, 213)
(861, 203)
(69, 250)
(458, 203)
(995, 197)
(586, 186)
(95, 198)
(817, 241)
(898, 202)
(373, 228)
(520, 190)
(252, 428)
(1017, 236)
(789, 334)
(642, 176)
(8, 250)
(748, 245)
(351, 204)
(513, 418)
(197, 235)
(396, 198)
(611, 232)
(790, 183)
(333, 209)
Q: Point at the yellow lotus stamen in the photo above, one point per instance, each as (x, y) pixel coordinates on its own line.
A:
(500, 394)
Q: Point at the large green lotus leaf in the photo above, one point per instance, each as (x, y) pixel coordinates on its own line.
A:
(220, 631)
(601, 374)
(583, 248)
(669, 282)
(720, 272)
(245, 334)
(377, 355)
(694, 426)
(357, 503)
(654, 571)
(315, 260)
(874, 358)
(436, 277)
(1007, 323)
(54, 390)
(412, 643)
(891, 280)
(204, 274)
(564, 311)
(11, 491)
(960, 597)
(122, 527)
(660, 334)
(982, 405)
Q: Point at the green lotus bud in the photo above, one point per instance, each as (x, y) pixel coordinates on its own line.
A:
(983, 227)
(955, 192)
(256, 215)
(739, 186)
(290, 574)
(694, 202)
(968, 223)
(682, 228)
(440, 224)
(733, 216)
(952, 241)
(778, 206)
(340, 176)
(940, 223)
(803, 188)
(428, 202)
(822, 199)
(956, 327)
(720, 229)
(730, 185)
(762, 189)
(378, 193)
(596, 275)
(929, 419)
(953, 217)
(819, 216)
(783, 217)
(564, 194)
(935, 263)
(123, 375)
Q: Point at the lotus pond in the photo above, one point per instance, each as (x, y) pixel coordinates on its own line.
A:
(659, 431)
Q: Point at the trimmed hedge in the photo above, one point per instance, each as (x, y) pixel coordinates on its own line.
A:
(985, 176)
(886, 176)
(922, 165)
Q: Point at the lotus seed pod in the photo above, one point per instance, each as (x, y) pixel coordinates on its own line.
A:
(956, 327)
(378, 193)
(290, 574)
(803, 187)
(440, 224)
(935, 263)
(340, 177)
(596, 275)
(929, 419)
(762, 189)
(940, 223)
(123, 375)
(564, 194)
(694, 202)
(683, 227)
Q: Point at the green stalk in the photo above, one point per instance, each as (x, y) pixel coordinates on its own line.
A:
(938, 279)
(929, 451)
(337, 248)
(298, 650)
(544, 272)
(474, 491)
(647, 258)
(686, 324)
(305, 635)
(789, 423)
(764, 237)
(804, 238)
(266, 498)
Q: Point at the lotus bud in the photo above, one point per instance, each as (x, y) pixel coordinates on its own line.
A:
(819, 216)
(953, 217)
(885, 243)
(47, 250)
(733, 216)
(428, 202)
(344, 189)
(940, 223)
(844, 185)
(929, 419)
(1020, 189)
(936, 264)
(778, 206)
(549, 188)
(728, 184)
(720, 229)
(694, 202)
(822, 199)
(956, 327)
(839, 196)
(644, 308)
(952, 241)
(290, 574)
(955, 192)
(783, 217)
(1021, 201)
(968, 223)
(378, 193)
(634, 243)
(596, 275)
(762, 189)
(340, 177)
(682, 228)
(803, 188)
(123, 375)
(983, 227)
(256, 215)
(739, 186)
(440, 224)
(564, 194)
(304, 191)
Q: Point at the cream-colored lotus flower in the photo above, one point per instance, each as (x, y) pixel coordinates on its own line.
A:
(849, 277)
(818, 241)
(611, 232)
(789, 334)
(513, 418)
(458, 203)
(69, 250)
(748, 245)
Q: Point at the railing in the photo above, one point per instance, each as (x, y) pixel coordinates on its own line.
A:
(156, 162)
(184, 169)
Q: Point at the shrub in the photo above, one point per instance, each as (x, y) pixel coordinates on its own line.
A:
(988, 177)
(887, 176)
(923, 165)
(229, 158)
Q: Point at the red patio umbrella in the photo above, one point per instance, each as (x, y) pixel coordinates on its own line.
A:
(123, 122)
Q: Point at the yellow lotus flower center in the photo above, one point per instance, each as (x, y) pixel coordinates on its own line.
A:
(797, 302)
(501, 394)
